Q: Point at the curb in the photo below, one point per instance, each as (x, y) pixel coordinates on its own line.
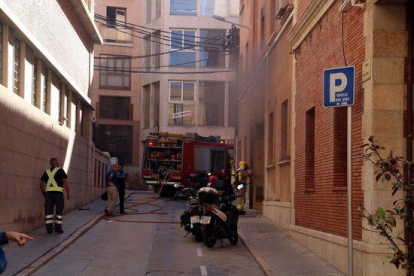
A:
(47, 257)
(266, 268)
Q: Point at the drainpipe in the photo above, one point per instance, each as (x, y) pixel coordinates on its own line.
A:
(410, 72)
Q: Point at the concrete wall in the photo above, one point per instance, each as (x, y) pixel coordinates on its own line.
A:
(50, 114)
(62, 36)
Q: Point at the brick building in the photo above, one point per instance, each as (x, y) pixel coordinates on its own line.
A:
(305, 185)
(46, 53)
(115, 91)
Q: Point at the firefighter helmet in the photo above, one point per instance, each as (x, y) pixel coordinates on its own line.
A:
(243, 164)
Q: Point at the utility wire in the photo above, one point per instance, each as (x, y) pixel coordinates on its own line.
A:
(150, 55)
(124, 24)
(140, 26)
(168, 72)
(167, 44)
(161, 66)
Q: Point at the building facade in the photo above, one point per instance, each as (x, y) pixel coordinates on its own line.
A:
(46, 53)
(117, 91)
(185, 44)
(304, 169)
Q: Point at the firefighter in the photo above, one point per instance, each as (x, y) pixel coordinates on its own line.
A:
(52, 183)
(242, 178)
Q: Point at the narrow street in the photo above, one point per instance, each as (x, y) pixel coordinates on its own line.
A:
(131, 248)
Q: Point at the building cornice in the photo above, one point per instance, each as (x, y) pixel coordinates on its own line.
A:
(87, 19)
(313, 13)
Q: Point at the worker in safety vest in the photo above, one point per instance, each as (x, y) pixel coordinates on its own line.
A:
(242, 179)
(52, 184)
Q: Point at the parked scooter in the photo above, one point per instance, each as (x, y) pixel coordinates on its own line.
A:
(190, 219)
(220, 217)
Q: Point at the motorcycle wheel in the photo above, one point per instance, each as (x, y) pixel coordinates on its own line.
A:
(234, 238)
(209, 237)
(197, 233)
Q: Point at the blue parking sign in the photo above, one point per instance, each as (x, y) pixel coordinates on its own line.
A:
(339, 86)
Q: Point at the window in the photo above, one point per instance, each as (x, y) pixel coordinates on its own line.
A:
(45, 89)
(211, 104)
(213, 7)
(211, 54)
(183, 7)
(310, 149)
(34, 97)
(340, 146)
(1, 54)
(115, 139)
(149, 10)
(114, 72)
(209, 160)
(116, 30)
(118, 108)
(158, 9)
(270, 139)
(284, 153)
(183, 39)
(16, 67)
(147, 47)
(116, 16)
(146, 105)
(157, 49)
(157, 102)
(262, 27)
(181, 106)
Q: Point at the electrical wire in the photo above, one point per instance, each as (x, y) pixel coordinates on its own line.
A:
(124, 24)
(169, 72)
(162, 66)
(191, 46)
(140, 26)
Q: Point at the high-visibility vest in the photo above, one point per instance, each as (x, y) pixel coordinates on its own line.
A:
(51, 185)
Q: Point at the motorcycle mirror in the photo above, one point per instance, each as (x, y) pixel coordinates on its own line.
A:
(241, 186)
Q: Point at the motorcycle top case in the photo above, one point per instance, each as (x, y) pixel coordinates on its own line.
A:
(208, 195)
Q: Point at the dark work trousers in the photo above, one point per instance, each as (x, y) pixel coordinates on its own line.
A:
(52, 200)
(121, 192)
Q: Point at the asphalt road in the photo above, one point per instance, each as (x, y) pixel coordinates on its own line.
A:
(158, 248)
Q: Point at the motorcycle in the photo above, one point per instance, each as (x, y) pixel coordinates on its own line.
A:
(220, 217)
(190, 219)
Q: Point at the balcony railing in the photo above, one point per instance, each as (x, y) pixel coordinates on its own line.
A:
(118, 35)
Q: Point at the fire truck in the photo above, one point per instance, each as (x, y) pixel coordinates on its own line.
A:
(170, 158)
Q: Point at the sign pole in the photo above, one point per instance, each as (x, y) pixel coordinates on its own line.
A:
(339, 91)
(349, 192)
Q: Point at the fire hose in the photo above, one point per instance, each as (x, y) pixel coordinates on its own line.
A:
(133, 204)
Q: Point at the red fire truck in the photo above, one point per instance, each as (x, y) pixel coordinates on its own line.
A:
(170, 158)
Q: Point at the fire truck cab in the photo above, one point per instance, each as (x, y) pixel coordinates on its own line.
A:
(170, 158)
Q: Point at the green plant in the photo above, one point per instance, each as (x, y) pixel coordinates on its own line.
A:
(396, 170)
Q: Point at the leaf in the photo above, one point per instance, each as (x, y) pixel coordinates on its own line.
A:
(392, 221)
(381, 213)
(378, 177)
(371, 138)
(387, 177)
(396, 262)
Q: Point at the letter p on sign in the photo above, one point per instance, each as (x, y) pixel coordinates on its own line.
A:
(339, 87)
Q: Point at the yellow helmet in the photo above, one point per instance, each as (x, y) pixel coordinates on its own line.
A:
(242, 164)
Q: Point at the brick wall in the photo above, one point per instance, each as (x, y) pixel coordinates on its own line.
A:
(323, 208)
(68, 46)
